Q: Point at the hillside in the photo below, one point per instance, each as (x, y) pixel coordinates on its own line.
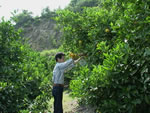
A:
(43, 35)
(41, 32)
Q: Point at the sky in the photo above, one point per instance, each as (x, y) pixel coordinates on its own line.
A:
(35, 6)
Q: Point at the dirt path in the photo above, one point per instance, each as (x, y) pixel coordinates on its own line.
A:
(70, 105)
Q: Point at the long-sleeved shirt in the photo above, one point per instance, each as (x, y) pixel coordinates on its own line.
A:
(59, 69)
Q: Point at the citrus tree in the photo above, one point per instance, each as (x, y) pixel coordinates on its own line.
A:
(115, 38)
(24, 74)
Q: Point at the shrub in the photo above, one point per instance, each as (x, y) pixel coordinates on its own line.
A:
(24, 74)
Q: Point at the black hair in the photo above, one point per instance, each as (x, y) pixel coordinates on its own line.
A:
(59, 55)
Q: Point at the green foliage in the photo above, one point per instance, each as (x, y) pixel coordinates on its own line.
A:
(116, 39)
(23, 19)
(51, 52)
(90, 32)
(78, 5)
(24, 74)
(46, 13)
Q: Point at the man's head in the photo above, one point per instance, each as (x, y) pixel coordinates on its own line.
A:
(59, 57)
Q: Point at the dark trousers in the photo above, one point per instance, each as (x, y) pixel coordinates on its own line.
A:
(57, 92)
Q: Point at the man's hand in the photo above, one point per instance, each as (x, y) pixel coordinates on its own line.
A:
(76, 56)
(73, 56)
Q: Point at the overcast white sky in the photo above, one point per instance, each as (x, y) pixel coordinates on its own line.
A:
(35, 6)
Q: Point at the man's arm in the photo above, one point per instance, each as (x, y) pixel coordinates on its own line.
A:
(65, 64)
(73, 64)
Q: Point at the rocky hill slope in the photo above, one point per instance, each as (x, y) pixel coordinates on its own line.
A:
(42, 36)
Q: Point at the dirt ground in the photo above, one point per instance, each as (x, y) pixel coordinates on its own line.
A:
(70, 105)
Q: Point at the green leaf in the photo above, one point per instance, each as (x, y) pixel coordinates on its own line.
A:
(147, 99)
(147, 52)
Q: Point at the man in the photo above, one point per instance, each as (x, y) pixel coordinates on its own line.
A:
(58, 79)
